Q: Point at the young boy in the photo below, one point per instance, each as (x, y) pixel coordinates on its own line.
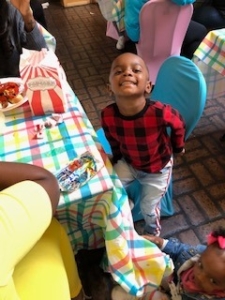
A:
(136, 129)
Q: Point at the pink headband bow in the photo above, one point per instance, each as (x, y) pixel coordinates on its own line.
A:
(219, 239)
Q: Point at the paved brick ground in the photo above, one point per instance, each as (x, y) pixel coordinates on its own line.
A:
(199, 177)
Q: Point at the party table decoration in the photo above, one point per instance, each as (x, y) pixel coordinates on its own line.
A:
(43, 77)
(77, 172)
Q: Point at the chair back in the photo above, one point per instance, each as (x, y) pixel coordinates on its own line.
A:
(163, 26)
(181, 84)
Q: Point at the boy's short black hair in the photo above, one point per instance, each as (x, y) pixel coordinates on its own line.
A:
(130, 53)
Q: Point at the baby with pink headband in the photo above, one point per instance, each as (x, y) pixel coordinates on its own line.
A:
(199, 270)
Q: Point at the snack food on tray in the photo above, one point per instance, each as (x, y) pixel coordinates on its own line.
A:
(10, 92)
(77, 172)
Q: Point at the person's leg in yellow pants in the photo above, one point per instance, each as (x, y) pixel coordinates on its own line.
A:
(48, 271)
(36, 258)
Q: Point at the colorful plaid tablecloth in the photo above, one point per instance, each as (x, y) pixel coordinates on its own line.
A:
(59, 145)
(98, 214)
(210, 58)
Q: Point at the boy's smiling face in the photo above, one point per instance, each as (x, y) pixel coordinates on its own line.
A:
(129, 76)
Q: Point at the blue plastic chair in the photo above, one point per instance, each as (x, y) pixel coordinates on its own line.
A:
(181, 84)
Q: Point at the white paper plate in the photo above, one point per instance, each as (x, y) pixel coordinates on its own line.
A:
(2, 123)
(19, 81)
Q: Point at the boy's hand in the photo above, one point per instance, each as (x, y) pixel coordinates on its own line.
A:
(24, 8)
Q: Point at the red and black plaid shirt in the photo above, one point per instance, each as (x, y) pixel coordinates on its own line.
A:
(142, 140)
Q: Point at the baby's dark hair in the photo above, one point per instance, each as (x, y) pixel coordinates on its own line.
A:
(220, 231)
(6, 46)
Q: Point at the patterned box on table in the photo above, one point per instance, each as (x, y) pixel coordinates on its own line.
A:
(43, 79)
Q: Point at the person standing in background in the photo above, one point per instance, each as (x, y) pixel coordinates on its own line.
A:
(18, 29)
(113, 11)
(210, 13)
(38, 12)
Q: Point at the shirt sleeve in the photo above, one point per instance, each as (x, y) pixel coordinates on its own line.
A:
(176, 123)
(34, 39)
(173, 247)
(180, 252)
(25, 214)
(114, 144)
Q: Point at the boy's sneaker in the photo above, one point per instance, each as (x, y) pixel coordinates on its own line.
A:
(120, 43)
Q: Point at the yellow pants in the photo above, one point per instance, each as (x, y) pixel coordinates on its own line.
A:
(47, 271)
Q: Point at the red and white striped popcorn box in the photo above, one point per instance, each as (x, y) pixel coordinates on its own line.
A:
(43, 80)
